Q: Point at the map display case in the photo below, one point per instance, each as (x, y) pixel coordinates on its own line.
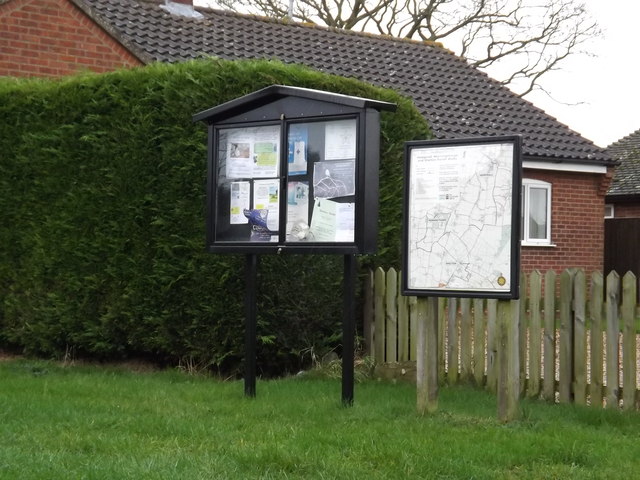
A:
(293, 170)
(461, 231)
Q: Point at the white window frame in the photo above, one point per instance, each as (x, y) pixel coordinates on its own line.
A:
(609, 210)
(527, 185)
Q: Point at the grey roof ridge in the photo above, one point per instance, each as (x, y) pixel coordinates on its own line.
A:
(633, 139)
(145, 58)
(209, 16)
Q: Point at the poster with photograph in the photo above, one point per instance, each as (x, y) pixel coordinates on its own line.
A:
(340, 140)
(258, 219)
(265, 197)
(297, 155)
(334, 179)
(253, 152)
(240, 192)
(239, 156)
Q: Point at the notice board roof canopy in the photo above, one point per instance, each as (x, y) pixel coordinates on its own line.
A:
(272, 93)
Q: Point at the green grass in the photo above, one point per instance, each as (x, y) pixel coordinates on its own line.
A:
(107, 423)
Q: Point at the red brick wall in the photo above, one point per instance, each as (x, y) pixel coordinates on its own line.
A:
(577, 223)
(627, 210)
(54, 38)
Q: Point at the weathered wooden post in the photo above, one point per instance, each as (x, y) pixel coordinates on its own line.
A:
(566, 338)
(629, 352)
(549, 343)
(508, 360)
(613, 348)
(461, 202)
(596, 306)
(427, 355)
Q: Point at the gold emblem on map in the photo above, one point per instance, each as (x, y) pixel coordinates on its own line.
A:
(502, 281)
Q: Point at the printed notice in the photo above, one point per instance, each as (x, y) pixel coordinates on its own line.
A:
(239, 192)
(265, 197)
(239, 156)
(332, 221)
(297, 155)
(334, 179)
(253, 152)
(340, 140)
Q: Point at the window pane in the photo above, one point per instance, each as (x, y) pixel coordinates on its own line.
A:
(538, 213)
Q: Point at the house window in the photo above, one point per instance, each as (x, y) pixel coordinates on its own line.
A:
(536, 212)
(609, 211)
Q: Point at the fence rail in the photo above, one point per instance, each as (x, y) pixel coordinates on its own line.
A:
(578, 336)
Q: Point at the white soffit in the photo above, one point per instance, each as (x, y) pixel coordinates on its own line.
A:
(565, 167)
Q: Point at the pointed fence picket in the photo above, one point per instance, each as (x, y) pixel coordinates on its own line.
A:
(577, 336)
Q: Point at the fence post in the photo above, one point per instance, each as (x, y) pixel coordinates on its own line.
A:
(452, 333)
(549, 347)
(466, 327)
(368, 313)
(535, 332)
(492, 344)
(403, 327)
(613, 331)
(566, 337)
(442, 340)
(629, 382)
(579, 337)
(427, 355)
(508, 360)
(479, 352)
(379, 312)
(522, 327)
(391, 305)
(595, 315)
(413, 328)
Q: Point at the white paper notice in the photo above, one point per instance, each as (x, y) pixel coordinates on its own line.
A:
(345, 222)
(332, 221)
(297, 211)
(253, 152)
(340, 140)
(239, 161)
(266, 149)
(239, 201)
(265, 197)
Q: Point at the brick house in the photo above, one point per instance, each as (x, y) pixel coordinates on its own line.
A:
(565, 175)
(622, 224)
(623, 197)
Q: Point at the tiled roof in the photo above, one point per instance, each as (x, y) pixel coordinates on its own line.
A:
(457, 100)
(626, 180)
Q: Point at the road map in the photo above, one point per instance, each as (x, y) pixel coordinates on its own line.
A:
(459, 217)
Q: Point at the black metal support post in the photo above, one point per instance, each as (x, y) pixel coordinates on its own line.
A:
(348, 329)
(251, 275)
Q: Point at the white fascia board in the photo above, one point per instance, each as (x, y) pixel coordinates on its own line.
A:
(564, 166)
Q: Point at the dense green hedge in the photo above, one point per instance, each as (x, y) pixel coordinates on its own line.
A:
(102, 181)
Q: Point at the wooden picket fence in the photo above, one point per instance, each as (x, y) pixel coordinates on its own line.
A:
(577, 336)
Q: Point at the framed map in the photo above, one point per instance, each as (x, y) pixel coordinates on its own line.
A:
(461, 232)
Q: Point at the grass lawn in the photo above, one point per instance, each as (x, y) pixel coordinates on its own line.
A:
(106, 423)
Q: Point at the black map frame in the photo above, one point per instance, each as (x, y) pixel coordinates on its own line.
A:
(433, 187)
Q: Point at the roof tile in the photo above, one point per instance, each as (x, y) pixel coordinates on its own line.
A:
(457, 99)
(626, 180)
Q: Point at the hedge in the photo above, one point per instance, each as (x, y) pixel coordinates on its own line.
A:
(102, 183)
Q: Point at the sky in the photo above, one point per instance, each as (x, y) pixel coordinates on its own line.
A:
(605, 89)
